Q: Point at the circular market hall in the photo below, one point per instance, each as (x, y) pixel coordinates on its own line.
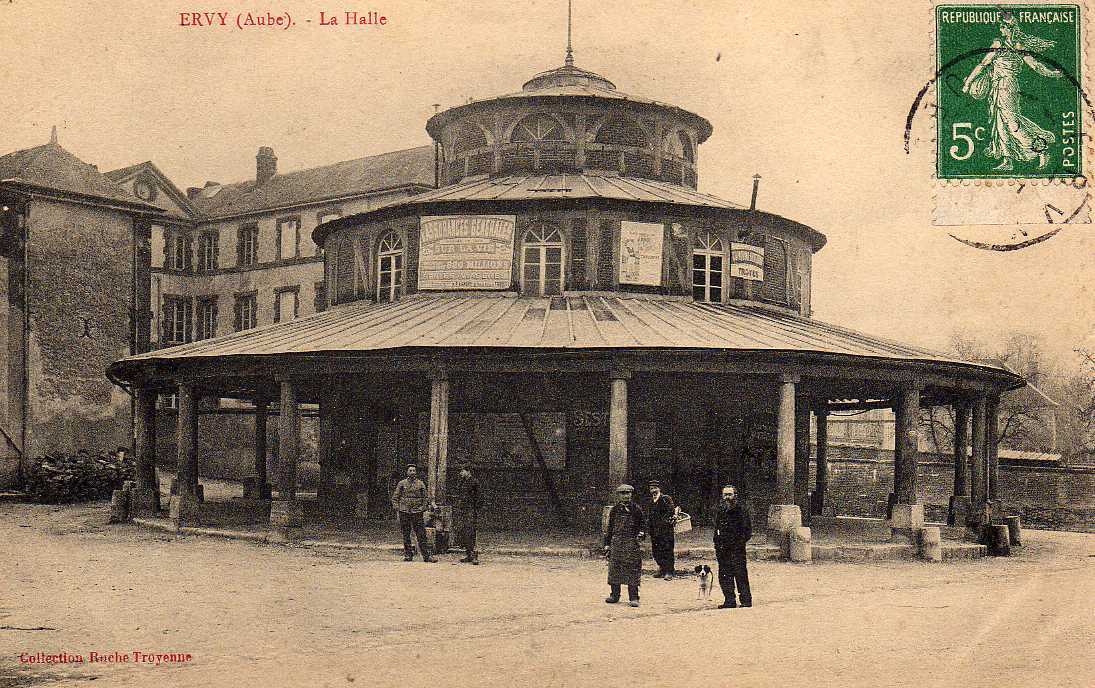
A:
(564, 313)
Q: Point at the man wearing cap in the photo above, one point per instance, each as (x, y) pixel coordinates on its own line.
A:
(410, 500)
(625, 557)
(732, 530)
(663, 514)
(466, 513)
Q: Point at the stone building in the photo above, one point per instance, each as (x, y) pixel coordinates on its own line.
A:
(74, 254)
(566, 312)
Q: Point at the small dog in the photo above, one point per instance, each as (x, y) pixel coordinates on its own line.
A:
(704, 573)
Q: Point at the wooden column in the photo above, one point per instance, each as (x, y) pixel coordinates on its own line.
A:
(977, 466)
(802, 459)
(906, 441)
(262, 407)
(328, 405)
(617, 429)
(822, 483)
(992, 447)
(437, 449)
(187, 464)
(144, 422)
(785, 441)
(961, 449)
(288, 441)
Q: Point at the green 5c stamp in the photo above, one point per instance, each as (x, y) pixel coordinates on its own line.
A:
(1009, 98)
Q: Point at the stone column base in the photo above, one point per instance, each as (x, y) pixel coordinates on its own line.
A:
(286, 513)
(144, 501)
(929, 544)
(999, 541)
(782, 519)
(800, 547)
(958, 512)
(185, 510)
(906, 520)
(1015, 531)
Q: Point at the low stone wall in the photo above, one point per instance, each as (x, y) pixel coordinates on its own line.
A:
(1048, 498)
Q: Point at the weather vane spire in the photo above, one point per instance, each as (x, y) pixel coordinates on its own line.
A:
(569, 62)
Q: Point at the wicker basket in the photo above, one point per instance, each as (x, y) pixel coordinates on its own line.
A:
(682, 523)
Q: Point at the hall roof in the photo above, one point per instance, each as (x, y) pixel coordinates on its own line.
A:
(593, 321)
(50, 167)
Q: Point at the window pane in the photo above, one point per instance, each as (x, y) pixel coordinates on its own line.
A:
(698, 262)
(716, 295)
(532, 256)
(716, 263)
(554, 254)
(698, 293)
(699, 277)
(716, 279)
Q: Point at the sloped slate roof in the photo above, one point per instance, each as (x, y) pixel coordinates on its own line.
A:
(362, 175)
(51, 167)
(570, 323)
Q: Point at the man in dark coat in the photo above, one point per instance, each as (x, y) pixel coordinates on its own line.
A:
(732, 530)
(465, 512)
(663, 514)
(625, 557)
(410, 500)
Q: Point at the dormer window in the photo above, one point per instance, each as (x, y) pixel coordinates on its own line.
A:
(542, 261)
(389, 268)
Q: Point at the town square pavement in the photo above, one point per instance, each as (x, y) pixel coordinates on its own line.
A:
(270, 615)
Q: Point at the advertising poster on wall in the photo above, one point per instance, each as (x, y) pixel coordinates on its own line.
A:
(747, 261)
(641, 253)
(466, 252)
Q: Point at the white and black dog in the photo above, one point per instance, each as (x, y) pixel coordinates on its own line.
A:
(703, 571)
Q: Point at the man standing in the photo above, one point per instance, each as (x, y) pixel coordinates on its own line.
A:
(410, 501)
(732, 530)
(662, 519)
(466, 514)
(625, 557)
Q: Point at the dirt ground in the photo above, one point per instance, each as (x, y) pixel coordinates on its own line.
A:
(251, 614)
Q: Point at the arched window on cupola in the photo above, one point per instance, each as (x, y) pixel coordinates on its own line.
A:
(622, 131)
(707, 266)
(542, 260)
(678, 145)
(536, 128)
(389, 267)
(466, 138)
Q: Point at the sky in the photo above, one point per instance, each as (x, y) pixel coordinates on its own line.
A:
(813, 96)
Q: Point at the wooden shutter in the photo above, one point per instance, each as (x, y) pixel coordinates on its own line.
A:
(578, 276)
(410, 261)
(344, 271)
(605, 256)
(775, 271)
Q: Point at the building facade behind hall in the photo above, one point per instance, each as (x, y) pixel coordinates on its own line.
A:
(100, 265)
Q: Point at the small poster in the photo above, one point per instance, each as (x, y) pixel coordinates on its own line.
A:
(641, 253)
(462, 252)
(747, 261)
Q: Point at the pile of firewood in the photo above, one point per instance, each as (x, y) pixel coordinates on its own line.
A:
(80, 477)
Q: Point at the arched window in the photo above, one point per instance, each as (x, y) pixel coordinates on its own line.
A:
(535, 128)
(677, 145)
(707, 259)
(344, 271)
(621, 132)
(542, 261)
(468, 137)
(389, 267)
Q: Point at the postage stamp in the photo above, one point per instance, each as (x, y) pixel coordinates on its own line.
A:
(1010, 113)
(1008, 91)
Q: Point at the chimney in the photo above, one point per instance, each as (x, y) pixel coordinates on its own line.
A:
(53, 134)
(266, 165)
(756, 187)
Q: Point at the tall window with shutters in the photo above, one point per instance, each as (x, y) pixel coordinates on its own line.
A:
(178, 252)
(247, 246)
(178, 320)
(288, 237)
(208, 253)
(246, 311)
(389, 267)
(207, 317)
(542, 260)
(286, 303)
(707, 266)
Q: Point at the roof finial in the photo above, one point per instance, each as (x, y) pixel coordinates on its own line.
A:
(569, 61)
(53, 135)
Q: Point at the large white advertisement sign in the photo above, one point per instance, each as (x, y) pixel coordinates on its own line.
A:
(460, 252)
(641, 253)
(747, 261)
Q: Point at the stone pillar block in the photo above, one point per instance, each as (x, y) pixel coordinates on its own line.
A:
(958, 512)
(185, 510)
(906, 520)
(784, 517)
(144, 501)
(801, 548)
(286, 513)
(255, 488)
(930, 544)
(1015, 531)
(999, 541)
(119, 506)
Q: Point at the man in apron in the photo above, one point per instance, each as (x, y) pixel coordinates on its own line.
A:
(625, 557)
